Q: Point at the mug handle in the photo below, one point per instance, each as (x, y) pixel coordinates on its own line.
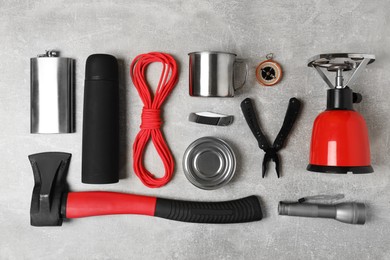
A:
(246, 72)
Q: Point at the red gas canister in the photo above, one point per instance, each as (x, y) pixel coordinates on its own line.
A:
(339, 142)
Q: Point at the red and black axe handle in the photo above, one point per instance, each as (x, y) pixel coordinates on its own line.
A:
(51, 202)
(86, 204)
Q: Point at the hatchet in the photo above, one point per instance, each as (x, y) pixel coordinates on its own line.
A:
(52, 202)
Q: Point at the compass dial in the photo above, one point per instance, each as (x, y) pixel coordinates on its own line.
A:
(268, 73)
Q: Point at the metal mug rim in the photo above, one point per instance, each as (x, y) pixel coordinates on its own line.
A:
(212, 52)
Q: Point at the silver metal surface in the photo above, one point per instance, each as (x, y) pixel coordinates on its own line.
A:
(49, 53)
(209, 163)
(347, 212)
(52, 94)
(212, 74)
(339, 62)
(269, 56)
(324, 77)
(339, 78)
(358, 71)
(330, 58)
(211, 118)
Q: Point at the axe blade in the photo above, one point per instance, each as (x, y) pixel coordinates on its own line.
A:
(50, 170)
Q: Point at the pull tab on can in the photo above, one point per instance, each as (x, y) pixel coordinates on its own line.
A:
(52, 86)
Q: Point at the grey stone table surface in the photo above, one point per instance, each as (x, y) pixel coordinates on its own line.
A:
(292, 30)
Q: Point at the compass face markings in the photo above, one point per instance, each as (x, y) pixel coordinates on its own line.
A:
(268, 73)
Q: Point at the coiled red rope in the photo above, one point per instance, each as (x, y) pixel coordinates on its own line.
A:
(150, 117)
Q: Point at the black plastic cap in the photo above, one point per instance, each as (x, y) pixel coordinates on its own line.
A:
(101, 67)
(339, 99)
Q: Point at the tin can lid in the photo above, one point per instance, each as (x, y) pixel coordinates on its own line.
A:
(209, 163)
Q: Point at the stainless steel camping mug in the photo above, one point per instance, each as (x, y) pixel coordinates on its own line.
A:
(212, 74)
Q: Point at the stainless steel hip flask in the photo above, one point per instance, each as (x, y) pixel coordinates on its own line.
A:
(52, 97)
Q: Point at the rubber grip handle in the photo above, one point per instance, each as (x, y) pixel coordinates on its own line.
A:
(235, 211)
(250, 117)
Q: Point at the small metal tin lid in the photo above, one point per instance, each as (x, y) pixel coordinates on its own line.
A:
(209, 163)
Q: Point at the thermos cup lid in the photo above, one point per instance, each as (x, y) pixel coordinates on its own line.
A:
(101, 67)
(209, 163)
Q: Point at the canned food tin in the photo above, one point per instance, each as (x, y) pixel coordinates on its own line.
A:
(209, 163)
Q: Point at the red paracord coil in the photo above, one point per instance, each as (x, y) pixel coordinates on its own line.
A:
(151, 121)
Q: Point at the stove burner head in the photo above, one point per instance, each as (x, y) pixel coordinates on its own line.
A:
(339, 63)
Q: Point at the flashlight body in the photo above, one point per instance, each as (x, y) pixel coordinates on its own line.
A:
(101, 121)
(352, 213)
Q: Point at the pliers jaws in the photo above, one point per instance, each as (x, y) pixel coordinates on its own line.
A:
(271, 154)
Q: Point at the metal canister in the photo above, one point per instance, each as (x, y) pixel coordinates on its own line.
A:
(209, 163)
(52, 97)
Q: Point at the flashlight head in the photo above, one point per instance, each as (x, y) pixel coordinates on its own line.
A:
(352, 213)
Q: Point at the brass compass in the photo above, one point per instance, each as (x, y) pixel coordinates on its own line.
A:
(269, 72)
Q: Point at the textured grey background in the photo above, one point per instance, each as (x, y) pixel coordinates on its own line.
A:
(293, 30)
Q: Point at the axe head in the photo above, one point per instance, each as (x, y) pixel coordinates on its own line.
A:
(50, 187)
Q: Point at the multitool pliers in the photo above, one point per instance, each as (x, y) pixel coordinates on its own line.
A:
(271, 152)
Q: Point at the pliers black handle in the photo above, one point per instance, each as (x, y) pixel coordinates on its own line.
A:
(271, 152)
(294, 106)
(251, 119)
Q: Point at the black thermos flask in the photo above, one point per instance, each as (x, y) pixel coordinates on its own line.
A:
(101, 120)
